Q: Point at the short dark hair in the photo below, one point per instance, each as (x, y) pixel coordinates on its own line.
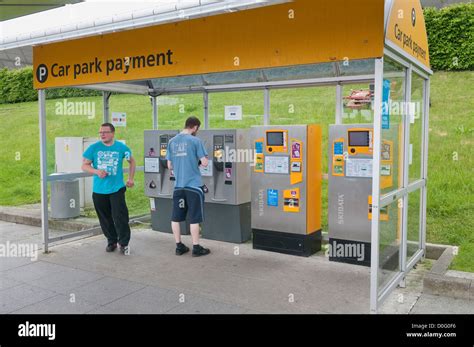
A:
(110, 125)
(191, 122)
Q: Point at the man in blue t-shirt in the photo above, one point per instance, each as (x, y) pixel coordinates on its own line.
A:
(185, 153)
(104, 159)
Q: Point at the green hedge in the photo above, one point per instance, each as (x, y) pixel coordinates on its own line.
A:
(17, 86)
(451, 37)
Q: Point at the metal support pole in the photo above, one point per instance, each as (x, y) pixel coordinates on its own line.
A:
(426, 126)
(339, 104)
(206, 109)
(374, 249)
(154, 101)
(406, 119)
(43, 168)
(106, 106)
(266, 107)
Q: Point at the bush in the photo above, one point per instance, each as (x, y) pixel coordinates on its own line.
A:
(17, 86)
(451, 37)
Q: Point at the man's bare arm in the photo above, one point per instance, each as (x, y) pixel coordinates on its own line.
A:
(87, 167)
(131, 173)
(204, 161)
(132, 166)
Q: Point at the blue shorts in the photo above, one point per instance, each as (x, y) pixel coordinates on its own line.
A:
(188, 202)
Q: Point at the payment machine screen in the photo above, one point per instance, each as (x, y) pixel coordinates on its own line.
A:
(275, 139)
(359, 138)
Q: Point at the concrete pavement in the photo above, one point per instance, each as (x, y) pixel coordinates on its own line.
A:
(80, 277)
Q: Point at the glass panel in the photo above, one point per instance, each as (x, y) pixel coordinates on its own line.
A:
(356, 67)
(183, 82)
(413, 227)
(250, 104)
(357, 104)
(391, 169)
(390, 236)
(287, 73)
(416, 127)
(299, 72)
(250, 76)
(174, 110)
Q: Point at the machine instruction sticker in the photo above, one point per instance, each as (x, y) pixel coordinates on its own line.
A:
(206, 171)
(152, 204)
(296, 166)
(258, 155)
(152, 165)
(277, 164)
(272, 197)
(338, 148)
(291, 200)
(295, 150)
(359, 168)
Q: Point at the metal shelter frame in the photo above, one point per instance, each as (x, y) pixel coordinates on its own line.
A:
(378, 292)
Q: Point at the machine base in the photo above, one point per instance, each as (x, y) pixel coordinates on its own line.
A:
(161, 217)
(348, 251)
(294, 244)
(229, 223)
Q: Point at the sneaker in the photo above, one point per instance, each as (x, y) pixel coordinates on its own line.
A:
(200, 251)
(125, 250)
(181, 249)
(111, 247)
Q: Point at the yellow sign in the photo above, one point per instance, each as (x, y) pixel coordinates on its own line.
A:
(406, 29)
(295, 33)
(291, 200)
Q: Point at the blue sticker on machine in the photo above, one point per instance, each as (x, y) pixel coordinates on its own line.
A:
(272, 197)
(338, 148)
(258, 147)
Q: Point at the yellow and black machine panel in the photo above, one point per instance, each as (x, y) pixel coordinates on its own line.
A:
(286, 189)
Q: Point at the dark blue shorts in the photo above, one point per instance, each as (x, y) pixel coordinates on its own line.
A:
(188, 203)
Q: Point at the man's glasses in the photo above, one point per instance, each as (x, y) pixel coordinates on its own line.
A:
(104, 132)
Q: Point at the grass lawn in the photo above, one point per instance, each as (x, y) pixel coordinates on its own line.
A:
(450, 198)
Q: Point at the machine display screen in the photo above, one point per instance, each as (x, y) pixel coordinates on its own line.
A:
(275, 139)
(359, 138)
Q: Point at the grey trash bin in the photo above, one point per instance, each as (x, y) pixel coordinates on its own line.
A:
(65, 199)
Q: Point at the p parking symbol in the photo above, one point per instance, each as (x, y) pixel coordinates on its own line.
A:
(42, 73)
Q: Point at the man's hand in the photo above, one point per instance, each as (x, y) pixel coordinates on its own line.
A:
(101, 173)
(130, 183)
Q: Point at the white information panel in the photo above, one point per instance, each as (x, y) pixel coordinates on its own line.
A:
(233, 112)
(152, 165)
(359, 168)
(277, 164)
(206, 171)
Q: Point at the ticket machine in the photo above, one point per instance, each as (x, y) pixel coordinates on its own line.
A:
(350, 188)
(286, 189)
(159, 180)
(227, 178)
